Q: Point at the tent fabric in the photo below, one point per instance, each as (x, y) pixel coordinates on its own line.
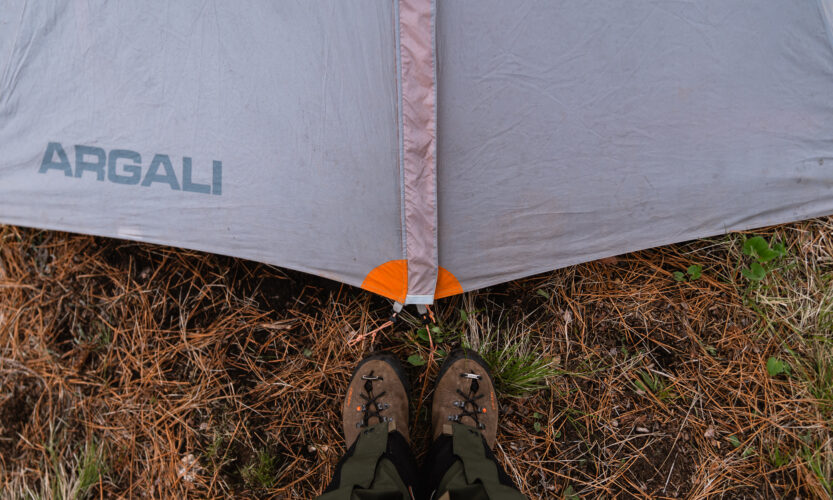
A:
(297, 100)
(585, 130)
(416, 148)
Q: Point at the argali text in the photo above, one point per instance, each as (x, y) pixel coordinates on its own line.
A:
(123, 166)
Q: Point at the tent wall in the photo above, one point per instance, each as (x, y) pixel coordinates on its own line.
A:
(297, 100)
(571, 131)
(416, 148)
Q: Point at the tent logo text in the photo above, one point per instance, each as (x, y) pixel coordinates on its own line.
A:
(122, 166)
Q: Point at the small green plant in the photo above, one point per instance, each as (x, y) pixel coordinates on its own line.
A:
(99, 335)
(570, 493)
(513, 352)
(262, 472)
(777, 458)
(91, 467)
(518, 373)
(821, 465)
(775, 367)
(764, 257)
(213, 449)
(416, 360)
(425, 335)
(736, 443)
(815, 370)
(653, 383)
(536, 424)
(74, 478)
(693, 272)
(821, 386)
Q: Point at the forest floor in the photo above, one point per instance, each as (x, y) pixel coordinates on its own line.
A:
(697, 370)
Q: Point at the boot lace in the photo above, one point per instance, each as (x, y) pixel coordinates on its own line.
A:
(372, 407)
(469, 406)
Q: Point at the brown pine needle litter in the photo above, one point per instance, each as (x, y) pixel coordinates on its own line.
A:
(135, 370)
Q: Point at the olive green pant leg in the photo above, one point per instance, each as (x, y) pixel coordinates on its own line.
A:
(474, 475)
(367, 474)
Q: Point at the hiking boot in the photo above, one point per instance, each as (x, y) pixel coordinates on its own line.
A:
(465, 394)
(378, 392)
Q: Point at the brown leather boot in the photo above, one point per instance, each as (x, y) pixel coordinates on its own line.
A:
(378, 392)
(465, 394)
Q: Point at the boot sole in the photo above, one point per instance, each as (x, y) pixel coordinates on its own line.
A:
(390, 359)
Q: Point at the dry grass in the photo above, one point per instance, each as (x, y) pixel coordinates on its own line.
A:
(138, 370)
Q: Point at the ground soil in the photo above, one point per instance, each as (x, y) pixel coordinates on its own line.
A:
(186, 367)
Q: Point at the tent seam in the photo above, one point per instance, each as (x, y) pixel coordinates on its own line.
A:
(826, 7)
(418, 80)
(400, 131)
(436, 142)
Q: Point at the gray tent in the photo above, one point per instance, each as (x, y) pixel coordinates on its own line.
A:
(415, 148)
